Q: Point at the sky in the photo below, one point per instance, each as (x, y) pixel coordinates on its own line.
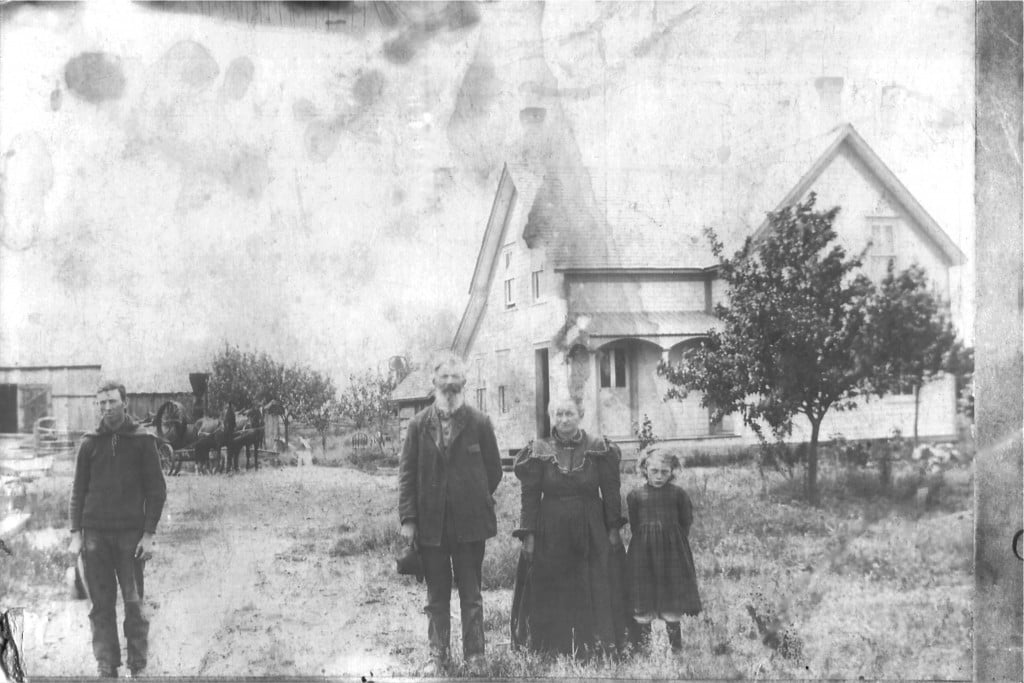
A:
(314, 183)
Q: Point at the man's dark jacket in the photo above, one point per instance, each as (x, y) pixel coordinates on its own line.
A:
(463, 476)
(117, 489)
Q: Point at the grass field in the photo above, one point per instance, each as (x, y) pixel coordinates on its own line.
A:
(291, 571)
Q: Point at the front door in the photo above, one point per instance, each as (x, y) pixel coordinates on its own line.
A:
(614, 390)
(542, 392)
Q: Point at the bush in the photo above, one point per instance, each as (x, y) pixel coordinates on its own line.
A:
(370, 459)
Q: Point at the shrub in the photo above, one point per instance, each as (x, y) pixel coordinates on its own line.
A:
(370, 459)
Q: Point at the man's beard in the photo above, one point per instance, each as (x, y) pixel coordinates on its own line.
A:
(449, 398)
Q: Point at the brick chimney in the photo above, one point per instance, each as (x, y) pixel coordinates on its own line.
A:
(830, 99)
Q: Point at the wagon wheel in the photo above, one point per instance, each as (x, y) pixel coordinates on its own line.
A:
(166, 457)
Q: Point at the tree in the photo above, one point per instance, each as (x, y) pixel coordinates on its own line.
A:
(313, 398)
(790, 343)
(912, 337)
(367, 402)
(250, 379)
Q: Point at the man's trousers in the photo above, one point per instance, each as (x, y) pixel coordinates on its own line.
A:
(109, 559)
(465, 561)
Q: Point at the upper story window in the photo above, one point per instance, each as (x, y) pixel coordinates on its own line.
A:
(502, 400)
(510, 280)
(535, 283)
(882, 251)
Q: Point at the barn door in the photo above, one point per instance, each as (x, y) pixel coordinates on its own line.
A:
(34, 400)
(8, 408)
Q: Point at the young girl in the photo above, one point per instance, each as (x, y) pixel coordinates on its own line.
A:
(663, 582)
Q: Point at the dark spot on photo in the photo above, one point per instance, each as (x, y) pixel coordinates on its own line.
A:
(462, 15)
(401, 49)
(191, 63)
(303, 110)
(249, 173)
(321, 139)
(238, 77)
(477, 91)
(95, 76)
(397, 196)
(368, 87)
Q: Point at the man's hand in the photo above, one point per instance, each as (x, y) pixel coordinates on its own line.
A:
(409, 532)
(75, 547)
(527, 542)
(142, 550)
(614, 538)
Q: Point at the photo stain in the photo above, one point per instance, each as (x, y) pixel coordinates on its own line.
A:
(303, 110)
(238, 77)
(191, 63)
(401, 49)
(94, 76)
(321, 139)
(249, 173)
(368, 87)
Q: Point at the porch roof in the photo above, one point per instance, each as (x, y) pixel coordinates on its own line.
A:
(649, 323)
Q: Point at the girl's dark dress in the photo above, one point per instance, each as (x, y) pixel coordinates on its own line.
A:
(570, 597)
(663, 578)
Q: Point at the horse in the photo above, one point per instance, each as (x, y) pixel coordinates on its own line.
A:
(248, 435)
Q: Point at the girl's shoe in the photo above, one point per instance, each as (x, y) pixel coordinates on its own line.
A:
(675, 636)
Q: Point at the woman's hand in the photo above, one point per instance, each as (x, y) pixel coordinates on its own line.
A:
(527, 542)
(614, 537)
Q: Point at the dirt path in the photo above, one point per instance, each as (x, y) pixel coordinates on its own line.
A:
(243, 582)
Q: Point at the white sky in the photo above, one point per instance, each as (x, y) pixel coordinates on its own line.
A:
(329, 212)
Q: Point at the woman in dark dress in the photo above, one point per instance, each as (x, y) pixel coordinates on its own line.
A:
(569, 596)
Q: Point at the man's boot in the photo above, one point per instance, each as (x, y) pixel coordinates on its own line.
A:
(675, 635)
(106, 671)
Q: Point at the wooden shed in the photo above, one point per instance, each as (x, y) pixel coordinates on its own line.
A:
(412, 395)
(66, 392)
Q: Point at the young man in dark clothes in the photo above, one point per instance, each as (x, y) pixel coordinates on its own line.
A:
(116, 501)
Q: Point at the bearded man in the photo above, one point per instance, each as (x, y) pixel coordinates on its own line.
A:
(449, 470)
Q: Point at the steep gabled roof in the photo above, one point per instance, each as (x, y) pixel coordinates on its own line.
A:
(847, 135)
(505, 201)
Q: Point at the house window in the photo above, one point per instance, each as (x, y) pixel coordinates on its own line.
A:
(510, 281)
(535, 284)
(883, 249)
(481, 399)
(502, 402)
(613, 368)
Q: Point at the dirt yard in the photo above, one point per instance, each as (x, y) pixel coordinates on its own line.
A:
(291, 571)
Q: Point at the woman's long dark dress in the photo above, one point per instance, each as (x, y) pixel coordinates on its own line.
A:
(570, 597)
